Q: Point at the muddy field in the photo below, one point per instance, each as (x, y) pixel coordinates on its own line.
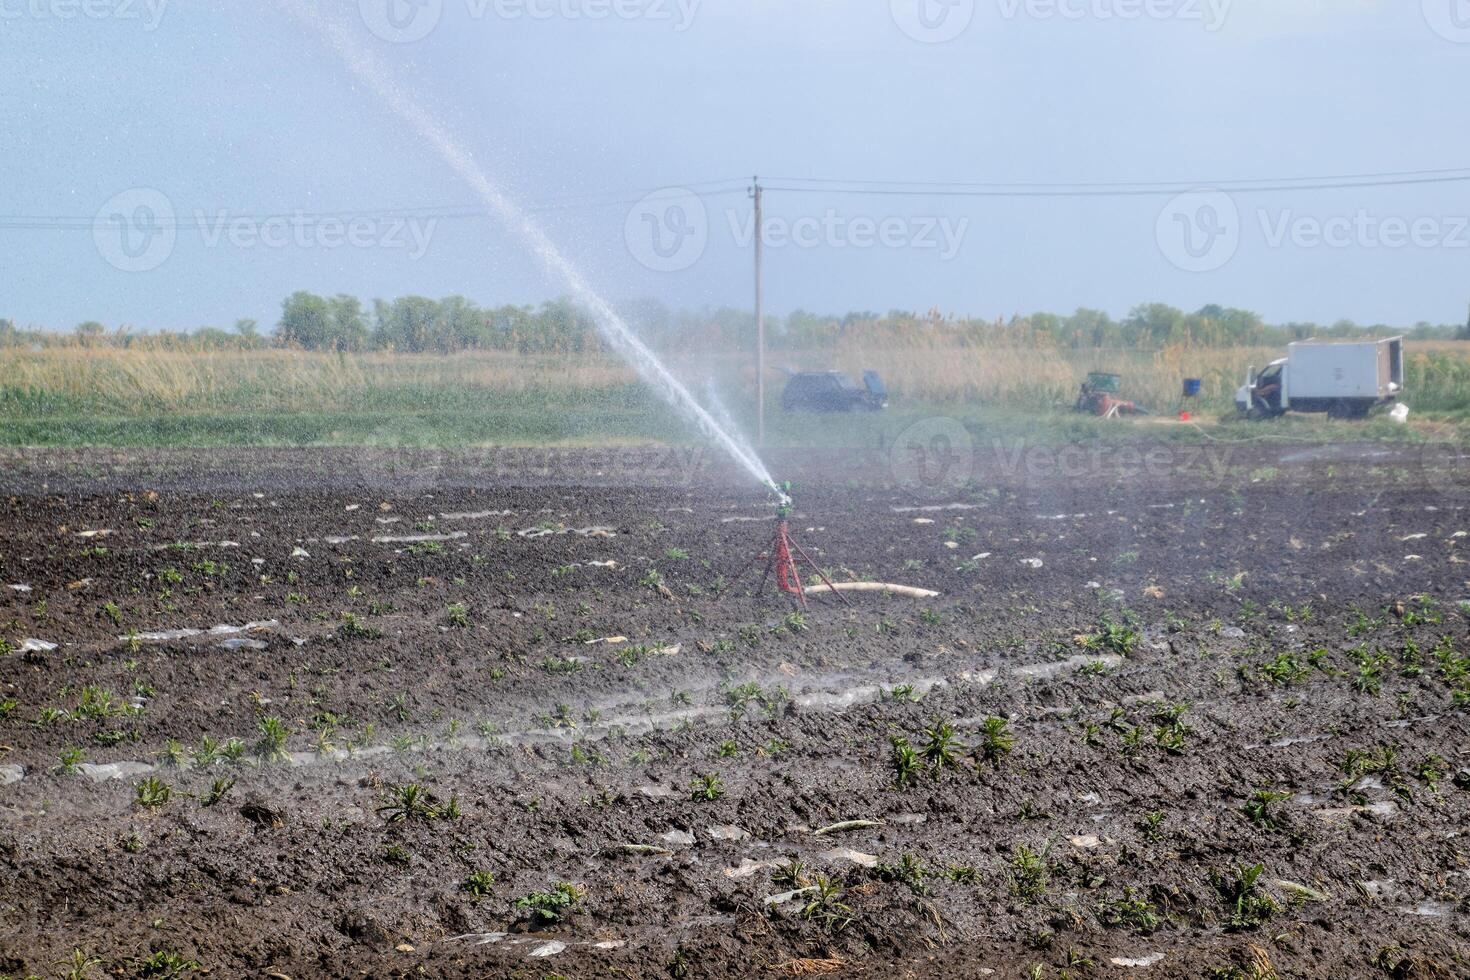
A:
(300, 714)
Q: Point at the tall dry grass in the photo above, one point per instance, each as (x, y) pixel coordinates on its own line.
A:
(141, 381)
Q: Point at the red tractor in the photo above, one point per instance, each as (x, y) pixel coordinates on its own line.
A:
(1097, 398)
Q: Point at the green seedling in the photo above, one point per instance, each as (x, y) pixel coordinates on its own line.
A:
(706, 788)
(906, 762)
(1261, 808)
(941, 750)
(411, 803)
(272, 743)
(1246, 905)
(826, 907)
(1029, 873)
(69, 763)
(1129, 912)
(478, 884)
(217, 790)
(152, 793)
(909, 871)
(791, 875)
(996, 742)
(550, 907)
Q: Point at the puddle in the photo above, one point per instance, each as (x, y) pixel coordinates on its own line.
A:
(785, 897)
(1033, 671)
(847, 854)
(622, 724)
(1433, 910)
(1137, 961)
(748, 867)
(241, 643)
(1384, 890)
(935, 508)
(727, 833)
(193, 545)
(479, 515)
(543, 948)
(532, 533)
(419, 538)
(114, 770)
(166, 636)
(33, 645)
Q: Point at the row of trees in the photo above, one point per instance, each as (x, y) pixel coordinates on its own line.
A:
(416, 324)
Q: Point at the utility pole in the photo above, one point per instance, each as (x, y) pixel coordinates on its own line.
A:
(760, 321)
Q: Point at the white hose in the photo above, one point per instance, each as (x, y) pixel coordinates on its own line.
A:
(908, 591)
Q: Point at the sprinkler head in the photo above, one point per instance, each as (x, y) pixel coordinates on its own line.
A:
(784, 508)
(782, 492)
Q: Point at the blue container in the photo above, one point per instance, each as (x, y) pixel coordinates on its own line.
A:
(1192, 387)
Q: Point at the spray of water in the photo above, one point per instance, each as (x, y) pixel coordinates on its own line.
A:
(366, 69)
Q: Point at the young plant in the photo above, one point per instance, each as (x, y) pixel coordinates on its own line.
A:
(70, 761)
(906, 762)
(996, 742)
(411, 803)
(706, 788)
(1129, 912)
(791, 875)
(152, 793)
(1246, 905)
(164, 965)
(217, 790)
(1261, 808)
(826, 907)
(1029, 873)
(550, 907)
(941, 750)
(79, 965)
(478, 884)
(272, 744)
(909, 870)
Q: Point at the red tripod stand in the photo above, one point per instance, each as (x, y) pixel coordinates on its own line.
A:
(782, 560)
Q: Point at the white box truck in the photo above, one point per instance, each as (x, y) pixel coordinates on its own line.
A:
(1342, 378)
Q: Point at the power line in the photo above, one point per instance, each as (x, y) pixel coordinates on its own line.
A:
(1021, 191)
(202, 220)
(827, 185)
(1199, 182)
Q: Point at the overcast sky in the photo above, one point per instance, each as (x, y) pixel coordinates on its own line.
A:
(145, 142)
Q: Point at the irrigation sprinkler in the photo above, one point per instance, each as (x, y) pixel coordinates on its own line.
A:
(784, 557)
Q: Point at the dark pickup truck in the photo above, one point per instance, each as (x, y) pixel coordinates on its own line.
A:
(833, 391)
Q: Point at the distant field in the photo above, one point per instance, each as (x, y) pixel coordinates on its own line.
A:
(106, 395)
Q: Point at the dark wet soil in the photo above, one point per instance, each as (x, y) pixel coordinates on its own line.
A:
(1197, 664)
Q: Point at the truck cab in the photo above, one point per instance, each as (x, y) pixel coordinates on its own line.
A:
(1264, 394)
